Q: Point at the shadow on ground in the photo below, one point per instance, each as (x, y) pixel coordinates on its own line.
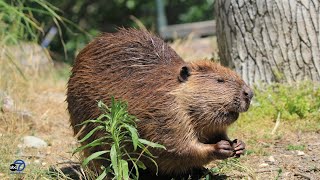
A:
(67, 171)
(76, 172)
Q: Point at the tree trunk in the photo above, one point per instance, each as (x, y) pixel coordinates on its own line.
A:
(270, 40)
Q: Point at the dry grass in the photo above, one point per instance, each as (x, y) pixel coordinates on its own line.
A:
(42, 94)
(191, 48)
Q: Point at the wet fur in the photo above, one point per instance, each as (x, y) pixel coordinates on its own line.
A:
(185, 112)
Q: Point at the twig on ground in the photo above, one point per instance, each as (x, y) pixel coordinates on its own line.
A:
(267, 170)
(277, 123)
(302, 175)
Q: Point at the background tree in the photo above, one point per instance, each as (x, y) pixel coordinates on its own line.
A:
(267, 40)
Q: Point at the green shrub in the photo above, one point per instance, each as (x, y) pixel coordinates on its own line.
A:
(293, 102)
(119, 130)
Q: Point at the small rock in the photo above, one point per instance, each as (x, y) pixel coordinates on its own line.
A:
(286, 174)
(264, 165)
(43, 164)
(300, 153)
(271, 159)
(37, 161)
(7, 103)
(34, 142)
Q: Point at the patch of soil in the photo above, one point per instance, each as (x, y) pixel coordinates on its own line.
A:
(283, 163)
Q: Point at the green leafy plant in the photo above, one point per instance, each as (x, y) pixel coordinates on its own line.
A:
(119, 129)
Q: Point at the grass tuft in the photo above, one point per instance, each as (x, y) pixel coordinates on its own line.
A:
(292, 147)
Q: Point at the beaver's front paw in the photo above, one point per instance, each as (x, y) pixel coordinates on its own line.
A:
(223, 150)
(239, 147)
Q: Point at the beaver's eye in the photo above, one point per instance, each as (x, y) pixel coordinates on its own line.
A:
(220, 80)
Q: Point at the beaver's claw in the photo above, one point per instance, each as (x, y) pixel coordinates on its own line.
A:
(223, 150)
(238, 147)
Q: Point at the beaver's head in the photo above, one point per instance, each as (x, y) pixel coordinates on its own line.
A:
(211, 95)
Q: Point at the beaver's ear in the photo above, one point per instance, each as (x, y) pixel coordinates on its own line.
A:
(184, 74)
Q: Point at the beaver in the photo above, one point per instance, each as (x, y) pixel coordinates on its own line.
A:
(185, 106)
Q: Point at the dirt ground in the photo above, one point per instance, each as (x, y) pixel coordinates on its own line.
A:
(282, 163)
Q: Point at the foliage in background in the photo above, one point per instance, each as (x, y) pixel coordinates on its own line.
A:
(185, 11)
(119, 129)
(297, 101)
(18, 20)
(105, 16)
(294, 102)
(31, 19)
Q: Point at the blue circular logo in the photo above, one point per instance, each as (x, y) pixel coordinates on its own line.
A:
(20, 165)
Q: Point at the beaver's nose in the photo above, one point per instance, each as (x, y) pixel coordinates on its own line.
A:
(247, 92)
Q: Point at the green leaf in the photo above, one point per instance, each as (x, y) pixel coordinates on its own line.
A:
(100, 118)
(133, 160)
(114, 159)
(145, 149)
(93, 156)
(134, 136)
(106, 116)
(101, 105)
(151, 144)
(102, 175)
(90, 133)
(154, 162)
(141, 165)
(125, 169)
(89, 121)
(96, 142)
(208, 177)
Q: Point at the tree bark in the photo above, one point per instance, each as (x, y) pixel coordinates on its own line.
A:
(270, 40)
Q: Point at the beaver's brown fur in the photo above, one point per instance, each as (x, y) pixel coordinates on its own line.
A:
(184, 106)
